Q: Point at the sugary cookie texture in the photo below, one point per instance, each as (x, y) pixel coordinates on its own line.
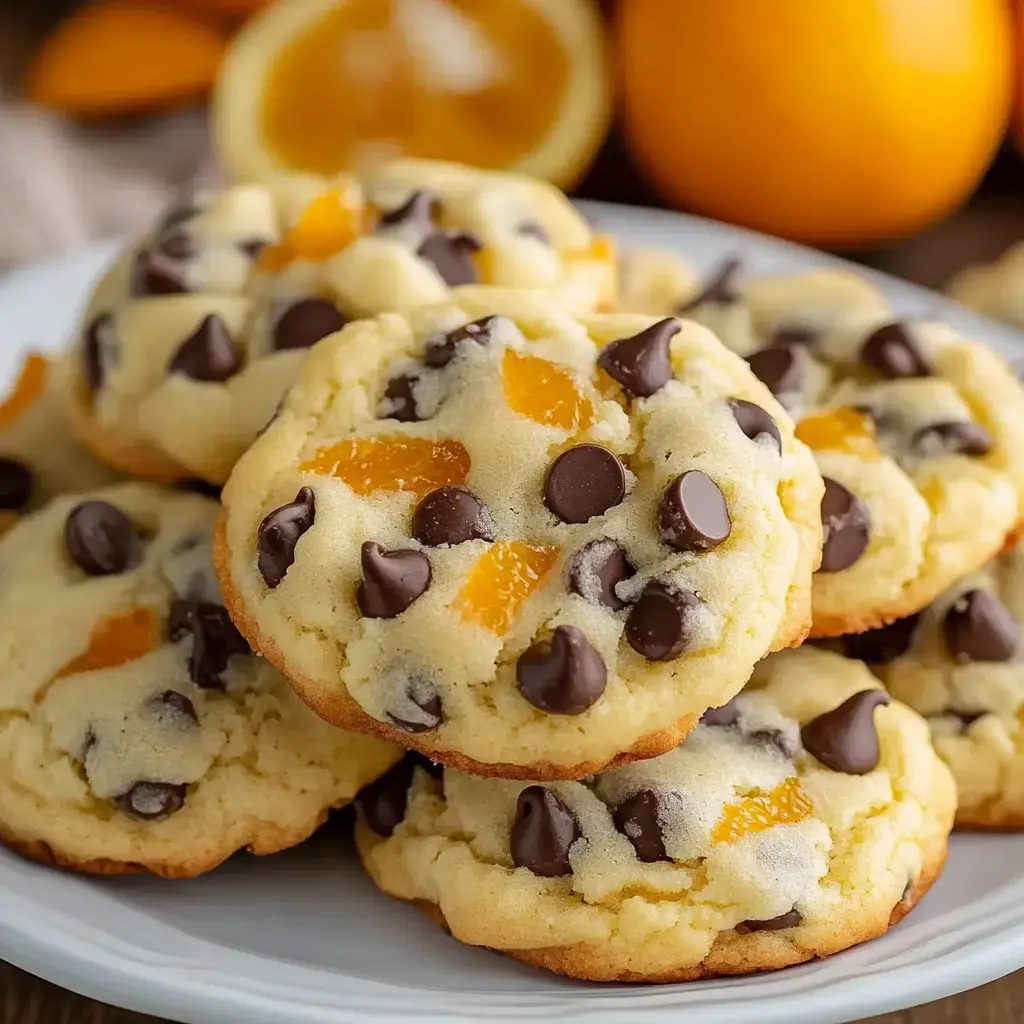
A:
(138, 732)
(194, 334)
(960, 663)
(805, 816)
(915, 429)
(523, 544)
(995, 289)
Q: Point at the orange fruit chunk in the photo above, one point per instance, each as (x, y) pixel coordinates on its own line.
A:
(842, 430)
(28, 388)
(329, 224)
(601, 248)
(500, 581)
(392, 463)
(544, 392)
(117, 640)
(786, 804)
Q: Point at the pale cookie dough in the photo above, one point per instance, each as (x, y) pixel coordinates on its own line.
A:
(738, 851)
(138, 732)
(192, 337)
(995, 289)
(523, 544)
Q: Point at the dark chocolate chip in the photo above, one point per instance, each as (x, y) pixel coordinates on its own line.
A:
(100, 539)
(641, 364)
(563, 675)
(882, 645)
(845, 739)
(155, 273)
(658, 626)
(429, 702)
(451, 515)
(596, 569)
(794, 337)
(693, 515)
(790, 919)
(215, 639)
(846, 527)
(253, 247)
(392, 580)
(637, 819)
(98, 344)
(402, 401)
(152, 800)
(280, 532)
(176, 706)
(724, 716)
(780, 370)
(451, 254)
(15, 485)
(979, 627)
(721, 288)
(955, 437)
(421, 209)
(892, 352)
(305, 322)
(442, 351)
(382, 803)
(533, 229)
(755, 422)
(177, 246)
(584, 481)
(543, 831)
(209, 354)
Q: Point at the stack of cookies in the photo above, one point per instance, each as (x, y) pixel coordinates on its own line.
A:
(510, 529)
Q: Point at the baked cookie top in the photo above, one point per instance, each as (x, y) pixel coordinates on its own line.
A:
(792, 823)
(994, 289)
(137, 729)
(521, 543)
(214, 309)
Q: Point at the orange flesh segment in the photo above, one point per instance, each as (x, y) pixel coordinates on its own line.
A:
(544, 392)
(843, 430)
(392, 463)
(118, 640)
(500, 581)
(27, 390)
(786, 804)
(328, 225)
(475, 81)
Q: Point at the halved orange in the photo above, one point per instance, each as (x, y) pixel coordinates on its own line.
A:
(324, 86)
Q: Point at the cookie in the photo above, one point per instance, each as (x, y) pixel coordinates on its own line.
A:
(216, 307)
(915, 430)
(807, 815)
(523, 544)
(959, 664)
(994, 288)
(138, 732)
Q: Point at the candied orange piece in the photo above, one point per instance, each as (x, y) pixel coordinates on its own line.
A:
(544, 392)
(500, 581)
(601, 248)
(28, 388)
(330, 223)
(393, 462)
(842, 430)
(117, 640)
(784, 805)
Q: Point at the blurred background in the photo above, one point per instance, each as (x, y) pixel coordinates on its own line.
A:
(888, 130)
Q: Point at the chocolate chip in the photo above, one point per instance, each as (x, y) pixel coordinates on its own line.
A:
(99, 538)
(584, 481)
(253, 247)
(542, 833)
(728, 714)
(98, 345)
(451, 254)
(755, 422)
(420, 209)
(15, 485)
(979, 627)
(280, 532)
(955, 437)
(641, 364)
(215, 639)
(794, 337)
(721, 288)
(846, 527)
(401, 400)
(429, 703)
(441, 352)
(305, 322)
(790, 919)
(176, 706)
(845, 739)
(596, 569)
(383, 802)
(637, 819)
(780, 370)
(658, 626)
(693, 515)
(532, 229)
(892, 352)
(451, 515)
(177, 246)
(392, 580)
(882, 645)
(155, 273)
(563, 675)
(209, 354)
(152, 800)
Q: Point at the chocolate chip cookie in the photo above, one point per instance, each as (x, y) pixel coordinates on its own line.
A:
(808, 814)
(524, 544)
(138, 730)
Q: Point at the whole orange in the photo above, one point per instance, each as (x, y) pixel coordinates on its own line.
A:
(833, 122)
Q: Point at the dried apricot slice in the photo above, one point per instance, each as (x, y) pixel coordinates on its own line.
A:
(329, 224)
(28, 388)
(393, 462)
(842, 430)
(784, 805)
(500, 581)
(117, 640)
(544, 392)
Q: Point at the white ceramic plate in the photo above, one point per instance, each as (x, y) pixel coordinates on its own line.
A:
(304, 938)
